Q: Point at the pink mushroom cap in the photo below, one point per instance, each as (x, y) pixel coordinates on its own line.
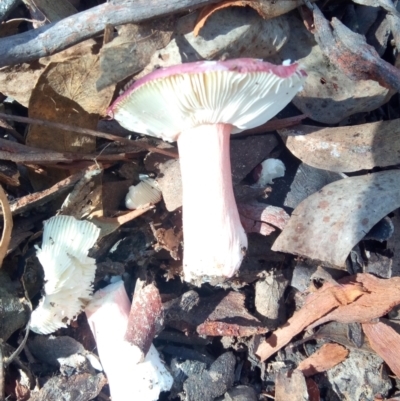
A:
(244, 93)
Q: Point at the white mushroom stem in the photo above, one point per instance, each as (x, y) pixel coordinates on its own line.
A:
(214, 239)
(129, 378)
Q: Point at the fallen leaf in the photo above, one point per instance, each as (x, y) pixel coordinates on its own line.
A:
(350, 52)
(66, 93)
(327, 225)
(132, 49)
(328, 356)
(290, 386)
(380, 296)
(18, 81)
(385, 341)
(318, 304)
(346, 149)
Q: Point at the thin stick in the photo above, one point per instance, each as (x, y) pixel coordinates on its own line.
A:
(7, 361)
(7, 226)
(91, 132)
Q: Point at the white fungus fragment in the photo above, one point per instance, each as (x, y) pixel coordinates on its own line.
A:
(271, 169)
(145, 192)
(68, 272)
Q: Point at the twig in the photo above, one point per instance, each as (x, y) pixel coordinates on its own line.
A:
(52, 38)
(8, 360)
(7, 225)
(91, 132)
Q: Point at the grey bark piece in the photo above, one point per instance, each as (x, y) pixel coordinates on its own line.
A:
(212, 383)
(58, 36)
(329, 223)
(359, 377)
(290, 386)
(307, 181)
(328, 95)
(346, 149)
(81, 387)
(269, 298)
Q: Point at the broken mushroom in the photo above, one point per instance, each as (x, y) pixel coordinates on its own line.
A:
(68, 272)
(199, 105)
(127, 372)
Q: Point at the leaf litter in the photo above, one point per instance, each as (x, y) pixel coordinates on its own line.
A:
(313, 310)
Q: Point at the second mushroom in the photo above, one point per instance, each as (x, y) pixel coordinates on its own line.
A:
(200, 105)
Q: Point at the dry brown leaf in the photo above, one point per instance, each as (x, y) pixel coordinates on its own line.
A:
(328, 356)
(327, 225)
(132, 49)
(385, 341)
(18, 81)
(380, 297)
(346, 149)
(290, 386)
(7, 225)
(66, 93)
(320, 303)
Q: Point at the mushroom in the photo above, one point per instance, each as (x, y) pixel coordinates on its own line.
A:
(127, 373)
(199, 105)
(68, 272)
